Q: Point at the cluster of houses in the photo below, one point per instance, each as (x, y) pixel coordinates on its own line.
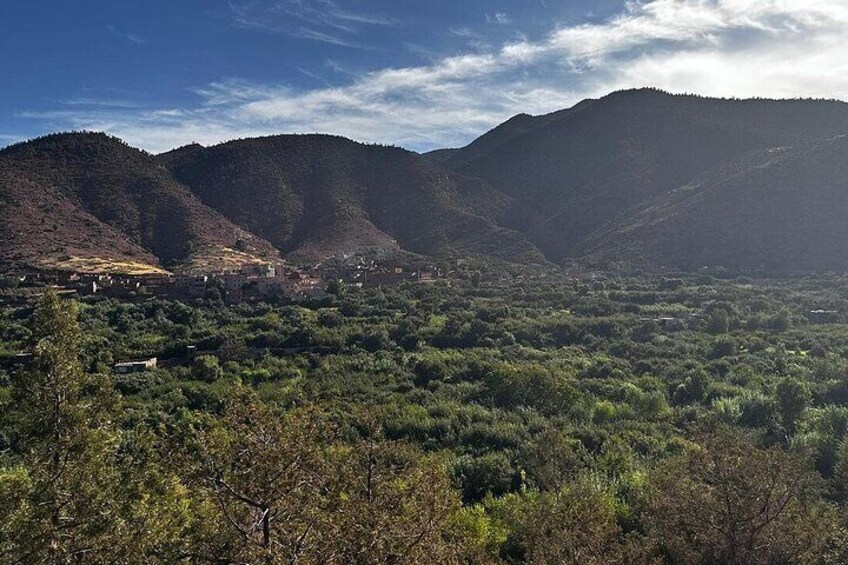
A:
(263, 281)
(369, 273)
(251, 282)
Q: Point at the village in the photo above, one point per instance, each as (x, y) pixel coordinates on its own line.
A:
(250, 283)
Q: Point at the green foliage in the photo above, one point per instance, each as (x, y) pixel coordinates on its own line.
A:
(718, 322)
(488, 419)
(792, 398)
(730, 502)
(205, 368)
(72, 493)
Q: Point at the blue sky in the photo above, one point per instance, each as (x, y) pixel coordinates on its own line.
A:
(416, 73)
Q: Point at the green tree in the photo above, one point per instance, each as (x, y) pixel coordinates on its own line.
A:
(263, 472)
(393, 505)
(793, 396)
(62, 513)
(67, 497)
(206, 368)
(730, 502)
(719, 321)
(282, 490)
(576, 526)
(336, 287)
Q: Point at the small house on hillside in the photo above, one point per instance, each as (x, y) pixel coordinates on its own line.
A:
(137, 366)
(192, 285)
(385, 277)
(262, 271)
(823, 316)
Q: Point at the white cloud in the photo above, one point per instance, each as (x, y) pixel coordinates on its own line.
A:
(498, 18)
(773, 48)
(324, 21)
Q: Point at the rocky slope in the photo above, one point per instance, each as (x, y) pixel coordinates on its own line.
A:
(82, 196)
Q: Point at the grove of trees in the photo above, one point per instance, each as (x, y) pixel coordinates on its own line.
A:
(618, 420)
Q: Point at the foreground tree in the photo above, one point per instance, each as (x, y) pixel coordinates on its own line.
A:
(68, 496)
(393, 506)
(576, 525)
(730, 502)
(262, 476)
(281, 489)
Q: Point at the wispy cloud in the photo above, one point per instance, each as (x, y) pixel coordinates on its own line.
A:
(501, 18)
(466, 33)
(473, 39)
(777, 48)
(325, 21)
(133, 38)
(101, 102)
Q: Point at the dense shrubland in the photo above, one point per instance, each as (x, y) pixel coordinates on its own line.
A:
(617, 420)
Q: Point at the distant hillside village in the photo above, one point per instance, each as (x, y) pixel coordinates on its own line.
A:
(251, 283)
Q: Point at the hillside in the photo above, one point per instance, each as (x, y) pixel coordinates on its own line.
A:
(576, 173)
(638, 176)
(779, 211)
(73, 199)
(315, 195)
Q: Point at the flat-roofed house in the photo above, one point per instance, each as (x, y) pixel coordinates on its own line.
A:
(135, 366)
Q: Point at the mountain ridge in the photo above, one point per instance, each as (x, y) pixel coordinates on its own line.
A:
(581, 170)
(321, 194)
(114, 190)
(617, 178)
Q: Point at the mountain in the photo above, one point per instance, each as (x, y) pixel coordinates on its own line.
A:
(576, 174)
(637, 176)
(89, 201)
(316, 195)
(778, 211)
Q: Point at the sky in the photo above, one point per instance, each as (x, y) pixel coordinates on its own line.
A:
(420, 74)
